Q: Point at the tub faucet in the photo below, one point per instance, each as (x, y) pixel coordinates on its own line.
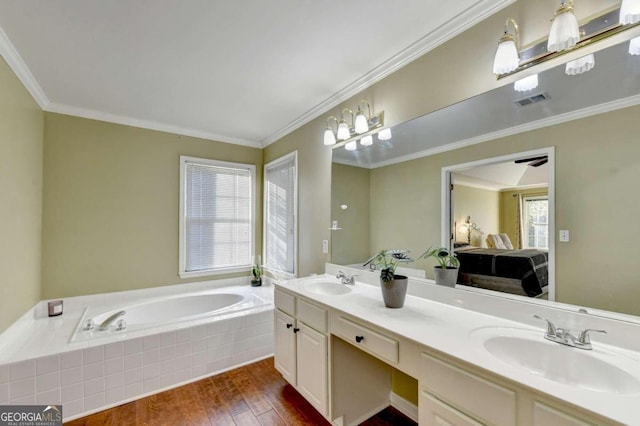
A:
(346, 279)
(564, 336)
(106, 323)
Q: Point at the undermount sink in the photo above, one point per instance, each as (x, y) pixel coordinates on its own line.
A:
(328, 288)
(597, 370)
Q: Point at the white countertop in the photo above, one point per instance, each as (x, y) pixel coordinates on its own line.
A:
(448, 329)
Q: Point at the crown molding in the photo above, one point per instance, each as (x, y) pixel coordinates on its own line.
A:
(545, 122)
(146, 124)
(481, 10)
(20, 69)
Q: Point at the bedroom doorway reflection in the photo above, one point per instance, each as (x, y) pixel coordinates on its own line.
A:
(498, 216)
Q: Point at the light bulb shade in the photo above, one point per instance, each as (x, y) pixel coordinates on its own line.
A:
(351, 146)
(384, 134)
(634, 46)
(629, 12)
(329, 137)
(366, 141)
(581, 65)
(506, 59)
(526, 84)
(564, 33)
(343, 131)
(361, 124)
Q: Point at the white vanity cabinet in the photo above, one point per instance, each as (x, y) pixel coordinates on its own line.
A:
(301, 347)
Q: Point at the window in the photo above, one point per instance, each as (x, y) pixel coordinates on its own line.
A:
(280, 211)
(216, 216)
(536, 222)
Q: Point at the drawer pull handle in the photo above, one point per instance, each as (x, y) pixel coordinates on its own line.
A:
(289, 325)
(295, 330)
(359, 339)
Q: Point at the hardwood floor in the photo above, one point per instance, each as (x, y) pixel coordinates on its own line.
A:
(255, 394)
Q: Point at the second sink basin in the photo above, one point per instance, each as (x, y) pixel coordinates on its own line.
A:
(597, 370)
(327, 288)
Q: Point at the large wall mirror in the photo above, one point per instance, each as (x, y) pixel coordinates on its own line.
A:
(389, 195)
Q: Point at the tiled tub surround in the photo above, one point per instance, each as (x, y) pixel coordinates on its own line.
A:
(92, 375)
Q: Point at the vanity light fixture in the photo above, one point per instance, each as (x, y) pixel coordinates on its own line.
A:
(329, 136)
(363, 126)
(565, 32)
(526, 84)
(634, 46)
(344, 132)
(384, 134)
(629, 12)
(507, 58)
(580, 65)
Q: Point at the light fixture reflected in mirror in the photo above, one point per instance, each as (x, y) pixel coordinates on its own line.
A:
(507, 58)
(634, 46)
(366, 141)
(565, 31)
(384, 134)
(629, 12)
(351, 146)
(329, 136)
(526, 84)
(580, 65)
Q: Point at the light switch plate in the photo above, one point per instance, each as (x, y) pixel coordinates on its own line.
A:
(325, 246)
(564, 236)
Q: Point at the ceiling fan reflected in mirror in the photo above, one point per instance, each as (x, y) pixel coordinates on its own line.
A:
(533, 161)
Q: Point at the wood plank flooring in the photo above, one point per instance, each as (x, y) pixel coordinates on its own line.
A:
(255, 394)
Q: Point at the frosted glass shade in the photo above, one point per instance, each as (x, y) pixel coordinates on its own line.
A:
(526, 84)
(366, 141)
(384, 134)
(351, 146)
(564, 33)
(507, 58)
(361, 124)
(629, 12)
(580, 65)
(343, 131)
(634, 46)
(329, 137)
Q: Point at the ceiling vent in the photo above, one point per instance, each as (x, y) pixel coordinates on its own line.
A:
(533, 99)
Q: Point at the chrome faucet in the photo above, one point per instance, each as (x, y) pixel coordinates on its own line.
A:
(106, 323)
(564, 336)
(346, 279)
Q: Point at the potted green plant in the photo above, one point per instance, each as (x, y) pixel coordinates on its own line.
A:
(446, 272)
(256, 274)
(394, 287)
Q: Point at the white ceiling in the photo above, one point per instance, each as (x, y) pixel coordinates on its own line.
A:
(501, 176)
(239, 71)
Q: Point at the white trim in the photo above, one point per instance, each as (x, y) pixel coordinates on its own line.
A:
(277, 161)
(182, 252)
(481, 10)
(407, 408)
(446, 212)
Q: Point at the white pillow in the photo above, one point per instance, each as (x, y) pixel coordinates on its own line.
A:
(506, 241)
(494, 241)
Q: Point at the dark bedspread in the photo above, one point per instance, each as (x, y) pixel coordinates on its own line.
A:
(529, 266)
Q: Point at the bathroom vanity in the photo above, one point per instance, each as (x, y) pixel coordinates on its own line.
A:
(337, 345)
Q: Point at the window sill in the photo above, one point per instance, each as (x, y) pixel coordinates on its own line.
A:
(211, 272)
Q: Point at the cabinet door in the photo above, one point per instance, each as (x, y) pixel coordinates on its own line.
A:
(544, 415)
(285, 346)
(312, 367)
(437, 413)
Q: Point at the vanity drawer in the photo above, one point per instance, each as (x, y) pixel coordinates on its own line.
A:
(484, 400)
(284, 301)
(378, 344)
(312, 315)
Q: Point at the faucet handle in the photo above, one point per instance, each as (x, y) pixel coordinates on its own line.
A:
(583, 337)
(551, 328)
(340, 274)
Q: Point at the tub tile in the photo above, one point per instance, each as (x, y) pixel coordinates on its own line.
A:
(94, 402)
(133, 390)
(183, 362)
(150, 371)
(212, 367)
(114, 381)
(183, 349)
(114, 350)
(198, 358)
(73, 408)
(22, 370)
(183, 336)
(4, 392)
(150, 385)
(226, 337)
(51, 397)
(168, 379)
(183, 375)
(169, 366)
(199, 332)
(4, 373)
(94, 354)
(199, 371)
(71, 393)
(168, 353)
(22, 388)
(151, 357)
(71, 376)
(225, 363)
(92, 387)
(133, 346)
(113, 396)
(46, 382)
(199, 345)
(47, 365)
(133, 376)
(225, 351)
(133, 361)
(93, 371)
(24, 400)
(214, 341)
(168, 339)
(112, 366)
(71, 359)
(151, 342)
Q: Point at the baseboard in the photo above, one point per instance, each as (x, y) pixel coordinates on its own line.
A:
(405, 407)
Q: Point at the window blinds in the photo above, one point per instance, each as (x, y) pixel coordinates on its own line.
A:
(217, 216)
(280, 194)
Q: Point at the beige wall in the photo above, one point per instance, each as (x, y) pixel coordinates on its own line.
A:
(483, 205)
(111, 204)
(350, 186)
(509, 210)
(21, 134)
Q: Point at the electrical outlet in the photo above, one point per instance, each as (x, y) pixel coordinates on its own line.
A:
(564, 236)
(325, 246)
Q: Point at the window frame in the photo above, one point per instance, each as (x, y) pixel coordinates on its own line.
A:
(525, 199)
(265, 210)
(182, 252)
